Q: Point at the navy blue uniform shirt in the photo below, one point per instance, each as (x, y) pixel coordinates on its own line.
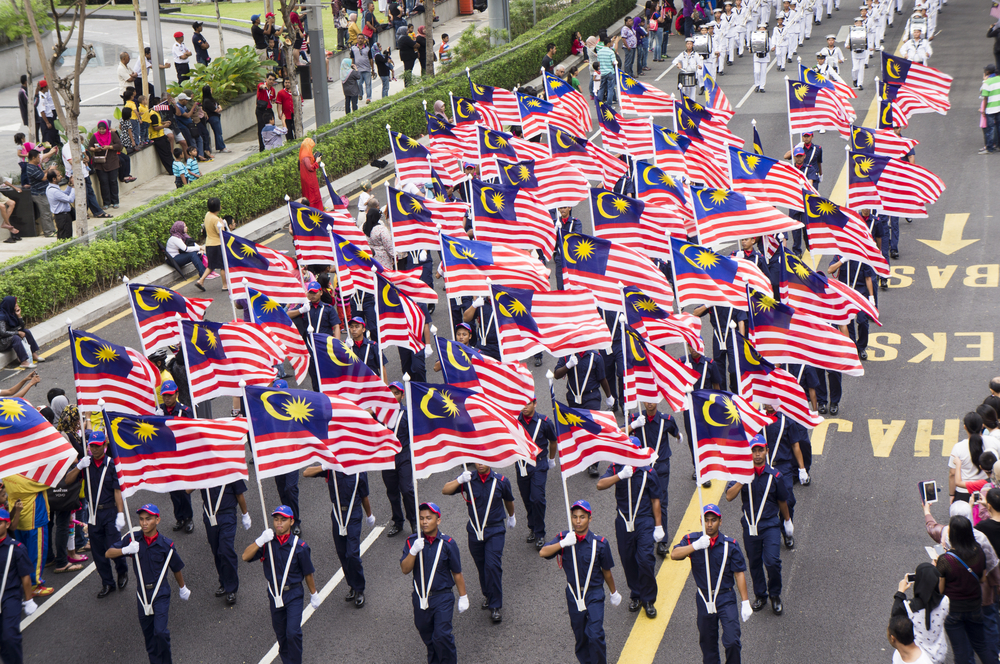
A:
(583, 549)
(656, 432)
(546, 433)
(229, 493)
(301, 562)
(20, 565)
(151, 558)
(642, 496)
(482, 488)
(449, 562)
(734, 561)
(792, 433)
(93, 478)
(771, 515)
(345, 484)
(578, 382)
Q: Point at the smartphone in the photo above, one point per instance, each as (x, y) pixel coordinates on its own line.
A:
(975, 496)
(911, 577)
(929, 492)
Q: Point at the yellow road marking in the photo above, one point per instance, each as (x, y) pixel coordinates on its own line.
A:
(272, 238)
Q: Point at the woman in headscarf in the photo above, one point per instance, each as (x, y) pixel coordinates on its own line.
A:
(307, 173)
(104, 147)
(184, 250)
(13, 331)
(642, 45)
(927, 610)
(379, 237)
(439, 110)
(352, 29)
(421, 44)
(407, 51)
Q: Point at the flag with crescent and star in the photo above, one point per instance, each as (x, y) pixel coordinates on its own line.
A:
(156, 310)
(891, 186)
(493, 146)
(634, 137)
(414, 222)
(502, 213)
(509, 384)
(907, 101)
(468, 112)
(812, 108)
(632, 223)
(30, 446)
(503, 102)
(412, 159)
(835, 230)
(164, 454)
(786, 336)
(763, 382)
(400, 321)
(469, 263)
(818, 295)
(554, 182)
(220, 355)
(263, 268)
(123, 377)
(537, 114)
(586, 437)
(599, 265)
(703, 277)
(568, 100)
(337, 203)
(722, 435)
(884, 142)
(355, 271)
(311, 232)
(656, 186)
(595, 163)
(724, 215)
(658, 325)
(342, 373)
(652, 374)
(669, 149)
(813, 77)
(718, 103)
(887, 117)
(442, 136)
(696, 122)
(768, 180)
(446, 167)
(640, 99)
(758, 147)
(560, 322)
(272, 317)
(921, 79)
(291, 429)
(450, 426)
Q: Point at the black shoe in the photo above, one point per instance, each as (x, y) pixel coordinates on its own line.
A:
(776, 606)
(539, 543)
(863, 354)
(351, 594)
(105, 591)
(789, 541)
(650, 610)
(220, 592)
(486, 604)
(834, 408)
(297, 530)
(822, 409)
(723, 73)
(634, 605)
(694, 476)
(122, 581)
(189, 527)
(592, 471)
(758, 603)
(854, 83)
(231, 599)
(829, 15)
(661, 549)
(538, 361)
(707, 484)
(179, 525)
(495, 616)
(430, 308)
(359, 600)
(894, 254)
(761, 91)
(394, 530)
(10, 240)
(530, 538)
(909, 220)
(866, 66)
(884, 284)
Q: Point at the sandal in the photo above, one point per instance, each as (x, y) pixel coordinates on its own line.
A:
(42, 591)
(69, 568)
(130, 179)
(77, 559)
(39, 359)
(103, 215)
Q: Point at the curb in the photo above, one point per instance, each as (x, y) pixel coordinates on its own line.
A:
(118, 15)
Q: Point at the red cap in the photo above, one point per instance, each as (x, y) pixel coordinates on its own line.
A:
(178, 35)
(43, 84)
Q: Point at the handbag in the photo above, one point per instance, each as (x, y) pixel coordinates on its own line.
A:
(367, 31)
(65, 497)
(100, 158)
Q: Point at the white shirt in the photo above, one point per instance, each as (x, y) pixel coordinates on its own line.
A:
(124, 73)
(176, 246)
(67, 159)
(688, 62)
(48, 106)
(178, 51)
(918, 51)
(932, 642)
(834, 56)
(923, 659)
(961, 452)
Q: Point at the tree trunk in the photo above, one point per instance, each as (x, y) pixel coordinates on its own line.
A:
(31, 107)
(218, 23)
(292, 72)
(429, 29)
(76, 149)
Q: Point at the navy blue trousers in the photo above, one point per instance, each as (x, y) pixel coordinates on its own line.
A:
(637, 551)
(662, 469)
(764, 552)
(788, 476)
(728, 615)
(488, 556)
(434, 626)
(287, 624)
(588, 627)
(399, 489)
(102, 535)
(349, 552)
(835, 392)
(222, 538)
(288, 491)
(532, 489)
(154, 630)
(10, 628)
(182, 505)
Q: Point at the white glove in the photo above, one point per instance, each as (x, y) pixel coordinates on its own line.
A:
(304, 309)
(571, 361)
(701, 543)
(478, 302)
(745, 610)
(120, 521)
(511, 522)
(463, 603)
(871, 299)
(314, 600)
(265, 537)
(464, 477)
(639, 422)
(184, 593)
(422, 256)
(609, 402)
(246, 521)
(568, 540)
(658, 534)
(84, 463)
(803, 476)
(428, 350)
(616, 598)
(417, 546)
(626, 472)
(29, 606)
(130, 549)
(370, 519)
(789, 528)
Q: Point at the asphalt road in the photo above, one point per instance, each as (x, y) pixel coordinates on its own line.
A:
(858, 526)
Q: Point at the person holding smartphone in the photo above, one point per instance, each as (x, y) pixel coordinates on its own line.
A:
(928, 610)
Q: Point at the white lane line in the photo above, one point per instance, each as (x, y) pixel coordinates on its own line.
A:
(62, 592)
(272, 654)
(106, 92)
(750, 91)
(665, 73)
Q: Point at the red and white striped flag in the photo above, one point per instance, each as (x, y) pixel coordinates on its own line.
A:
(640, 99)
(818, 295)
(502, 101)
(723, 425)
(921, 78)
(30, 446)
(835, 230)
(659, 326)
(311, 232)
(502, 213)
(220, 355)
(724, 215)
(640, 226)
(593, 162)
(415, 220)
(567, 100)
(592, 263)
(768, 180)
(274, 319)
(400, 320)
(586, 437)
(509, 384)
(156, 310)
(763, 382)
(123, 377)
(561, 322)
(651, 374)
(883, 142)
(469, 263)
(412, 159)
(811, 108)
(891, 186)
(552, 181)
(264, 269)
(529, 150)
(634, 137)
(342, 373)
(409, 284)
(447, 166)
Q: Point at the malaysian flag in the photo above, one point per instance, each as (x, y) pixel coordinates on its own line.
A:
(30, 446)
(503, 102)
(699, 162)
(537, 114)
(264, 269)
(591, 263)
(220, 355)
(884, 142)
(468, 112)
(311, 234)
(908, 101)
(415, 220)
(123, 377)
(446, 168)
(156, 310)
(164, 454)
(586, 437)
(443, 137)
(814, 78)
(554, 182)
(634, 137)
(656, 186)
(640, 99)
(291, 429)
(922, 79)
(763, 382)
(409, 284)
(768, 180)
(412, 159)
(451, 426)
(509, 384)
(698, 124)
(840, 231)
(889, 115)
(702, 276)
(892, 186)
(561, 322)
(652, 374)
(717, 101)
(343, 374)
(529, 149)
(354, 267)
(785, 336)
(595, 163)
(721, 438)
(400, 321)
(506, 214)
(632, 223)
(723, 215)
(818, 295)
(568, 101)
(758, 147)
(469, 263)
(272, 317)
(493, 145)
(659, 325)
(811, 108)
(670, 148)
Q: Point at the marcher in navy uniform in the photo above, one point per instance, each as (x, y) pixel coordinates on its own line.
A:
(861, 277)
(16, 584)
(349, 494)
(591, 571)
(711, 378)
(531, 479)
(292, 561)
(223, 503)
(440, 568)
(585, 378)
(785, 438)
(653, 429)
(722, 341)
(614, 362)
(764, 500)
(488, 342)
(714, 578)
(637, 528)
(491, 512)
(322, 317)
(399, 481)
(181, 499)
(152, 553)
(288, 484)
(365, 349)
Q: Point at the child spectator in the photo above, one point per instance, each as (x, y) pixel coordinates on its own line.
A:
(444, 51)
(272, 135)
(128, 131)
(595, 83)
(193, 172)
(143, 117)
(573, 80)
(180, 168)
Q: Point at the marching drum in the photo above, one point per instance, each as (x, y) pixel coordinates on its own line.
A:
(701, 44)
(758, 43)
(687, 79)
(858, 39)
(918, 23)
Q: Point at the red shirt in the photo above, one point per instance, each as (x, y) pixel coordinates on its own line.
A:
(284, 97)
(265, 94)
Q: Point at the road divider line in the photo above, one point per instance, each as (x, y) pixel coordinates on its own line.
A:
(665, 72)
(752, 87)
(62, 592)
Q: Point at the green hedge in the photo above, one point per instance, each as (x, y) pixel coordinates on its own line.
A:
(45, 287)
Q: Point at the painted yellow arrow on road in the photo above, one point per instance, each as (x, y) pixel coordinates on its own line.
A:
(951, 236)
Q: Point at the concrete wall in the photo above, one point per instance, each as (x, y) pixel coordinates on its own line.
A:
(12, 60)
